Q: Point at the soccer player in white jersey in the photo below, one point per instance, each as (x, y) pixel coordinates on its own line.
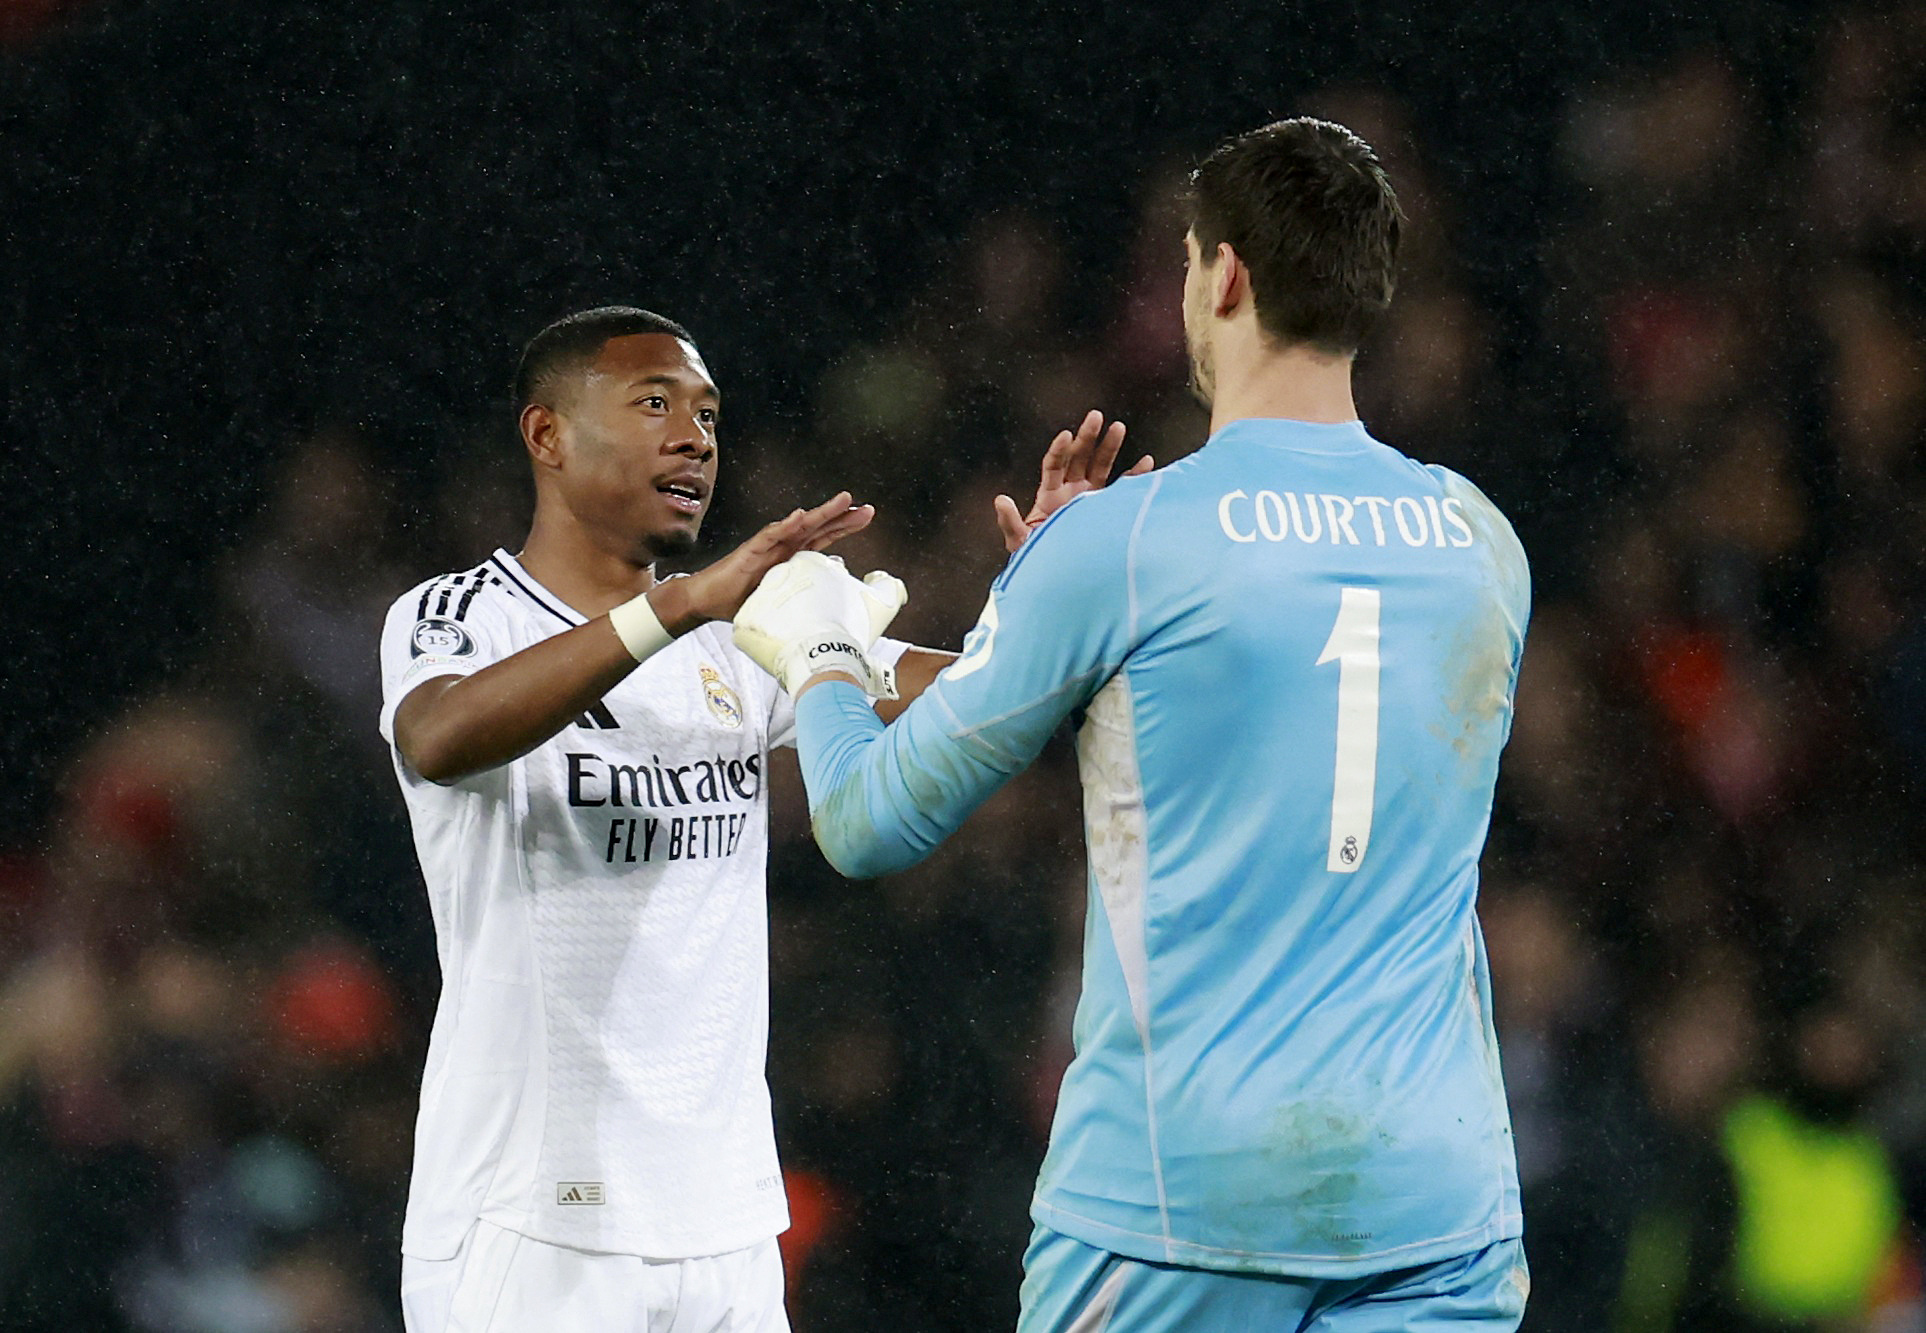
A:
(1290, 658)
(583, 753)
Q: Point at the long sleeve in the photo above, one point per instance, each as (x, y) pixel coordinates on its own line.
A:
(1056, 627)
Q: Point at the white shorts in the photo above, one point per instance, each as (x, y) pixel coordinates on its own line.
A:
(503, 1282)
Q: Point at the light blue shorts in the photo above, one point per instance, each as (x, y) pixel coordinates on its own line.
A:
(1070, 1287)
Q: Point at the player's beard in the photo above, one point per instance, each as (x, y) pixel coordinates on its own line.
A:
(1202, 381)
(676, 541)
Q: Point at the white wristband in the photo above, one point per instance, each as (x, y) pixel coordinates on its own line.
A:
(638, 628)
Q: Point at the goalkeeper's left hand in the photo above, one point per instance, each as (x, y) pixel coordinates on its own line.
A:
(1073, 464)
(811, 615)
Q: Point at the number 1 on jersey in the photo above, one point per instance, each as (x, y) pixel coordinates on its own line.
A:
(1353, 645)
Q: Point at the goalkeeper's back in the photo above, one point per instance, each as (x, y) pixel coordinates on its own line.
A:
(1285, 1060)
(1292, 657)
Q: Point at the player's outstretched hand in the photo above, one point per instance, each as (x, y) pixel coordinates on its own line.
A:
(1074, 463)
(715, 592)
(811, 615)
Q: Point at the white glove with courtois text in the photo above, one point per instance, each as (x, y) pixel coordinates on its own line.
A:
(809, 614)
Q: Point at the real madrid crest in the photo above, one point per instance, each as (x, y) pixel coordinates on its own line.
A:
(721, 699)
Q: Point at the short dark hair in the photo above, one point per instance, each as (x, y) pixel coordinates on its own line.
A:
(567, 347)
(1307, 207)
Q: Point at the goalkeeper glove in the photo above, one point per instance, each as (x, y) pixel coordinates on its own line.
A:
(809, 614)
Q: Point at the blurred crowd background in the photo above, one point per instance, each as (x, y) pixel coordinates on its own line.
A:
(266, 274)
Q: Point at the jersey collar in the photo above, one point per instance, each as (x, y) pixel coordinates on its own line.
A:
(1305, 437)
(530, 587)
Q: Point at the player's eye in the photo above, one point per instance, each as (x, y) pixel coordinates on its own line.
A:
(655, 402)
(707, 416)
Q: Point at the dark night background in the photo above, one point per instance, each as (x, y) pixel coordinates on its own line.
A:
(226, 222)
(266, 272)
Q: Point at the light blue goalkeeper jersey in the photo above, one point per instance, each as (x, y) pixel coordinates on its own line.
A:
(1290, 658)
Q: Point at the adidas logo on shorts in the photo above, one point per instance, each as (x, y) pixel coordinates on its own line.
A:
(579, 1192)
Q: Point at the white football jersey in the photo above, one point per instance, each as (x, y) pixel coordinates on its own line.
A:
(595, 1074)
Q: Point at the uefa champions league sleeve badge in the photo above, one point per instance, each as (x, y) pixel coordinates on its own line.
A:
(440, 638)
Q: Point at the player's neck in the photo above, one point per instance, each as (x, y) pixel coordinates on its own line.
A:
(1295, 383)
(567, 561)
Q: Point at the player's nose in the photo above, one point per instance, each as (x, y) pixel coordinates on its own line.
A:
(691, 439)
(698, 447)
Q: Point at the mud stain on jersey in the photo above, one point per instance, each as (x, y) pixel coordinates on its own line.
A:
(1312, 1175)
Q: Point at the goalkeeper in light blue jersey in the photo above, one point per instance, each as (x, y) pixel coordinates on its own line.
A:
(1290, 660)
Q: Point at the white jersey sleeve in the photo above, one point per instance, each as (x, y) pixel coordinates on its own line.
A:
(438, 628)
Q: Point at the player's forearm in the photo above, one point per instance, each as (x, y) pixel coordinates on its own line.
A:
(916, 670)
(881, 800)
(453, 727)
(837, 735)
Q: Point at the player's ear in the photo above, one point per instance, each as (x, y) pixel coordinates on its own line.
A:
(1230, 280)
(542, 435)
